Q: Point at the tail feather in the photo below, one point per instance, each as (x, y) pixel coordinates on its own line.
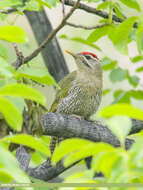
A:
(53, 142)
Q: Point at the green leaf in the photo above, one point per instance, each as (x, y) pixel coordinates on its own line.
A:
(10, 112)
(133, 80)
(120, 126)
(95, 1)
(99, 32)
(6, 69)
(132, 4)
(81, 40)
(18, 102)
(51, 2)
(13, 34)
(139, 69)
(103, 5)
(5, 177)
(121, 97)
(106, 91)
(40, 75)
(33, 5)
(137, 58)
(122, 110)
(118, 10)
(99, 162)
(136, 94)
(119, 36)
(24, 91)
(29, 141)
(9, 3)
(139, 34)
(118, 74)
(3, 52)
(9, 165)
(108, 64)
(92, 149)
(63, 148)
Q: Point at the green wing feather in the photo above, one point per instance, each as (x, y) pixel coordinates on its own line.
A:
(65, 85)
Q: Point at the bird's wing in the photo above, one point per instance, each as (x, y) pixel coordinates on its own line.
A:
(65, 85)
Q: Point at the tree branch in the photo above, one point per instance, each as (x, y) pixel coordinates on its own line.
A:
(67, 126)
(93, 10)
(86, 27)
(55, 124)
(51, 35)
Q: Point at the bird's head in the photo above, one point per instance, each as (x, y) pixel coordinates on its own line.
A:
(86, 60)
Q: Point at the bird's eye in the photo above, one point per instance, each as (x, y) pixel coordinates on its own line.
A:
(88, 57)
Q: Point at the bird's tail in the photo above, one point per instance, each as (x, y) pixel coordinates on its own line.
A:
(53, 142)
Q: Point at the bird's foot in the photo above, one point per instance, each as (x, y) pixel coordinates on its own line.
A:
(77, 116)
(49, 161)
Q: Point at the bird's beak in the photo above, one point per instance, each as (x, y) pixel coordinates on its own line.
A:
(70, 53)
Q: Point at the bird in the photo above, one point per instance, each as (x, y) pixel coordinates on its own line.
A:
(80, 91)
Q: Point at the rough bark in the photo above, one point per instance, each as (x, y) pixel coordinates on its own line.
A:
(66, 126)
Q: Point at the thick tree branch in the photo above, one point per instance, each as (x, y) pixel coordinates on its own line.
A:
(66, 126)
(46, 172)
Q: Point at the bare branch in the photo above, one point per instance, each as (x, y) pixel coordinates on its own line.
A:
(20, 57)
(51, 35)
(86, 27)
(63, 7)
(93, 10)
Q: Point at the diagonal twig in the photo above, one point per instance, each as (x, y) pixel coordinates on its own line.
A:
(50, 36)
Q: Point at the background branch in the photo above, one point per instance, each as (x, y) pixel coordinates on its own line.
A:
(93, 10)
(86, 27)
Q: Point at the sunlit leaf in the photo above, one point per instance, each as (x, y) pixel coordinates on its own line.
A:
(11, 166)
(122, 110)
(120, 126)
(40, 75)
(121, 97)
(99, 32)
(9, 3)
(139, 69)
(29, 141)
(13, 34)
(119, 36)
(103, 5)
(137, 58)
(24, 91)
(11, 113)
(106, 91)
(139, 34)
(132, 4)
(82, 41)
(133, 80)
(3, 52)
(63, 148)
(108, 64)
(91, 149)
